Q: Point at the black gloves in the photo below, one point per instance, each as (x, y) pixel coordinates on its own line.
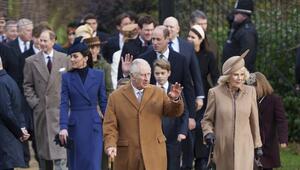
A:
(210, 138)
(258, 152)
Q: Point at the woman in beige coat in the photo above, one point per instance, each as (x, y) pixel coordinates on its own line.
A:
(231, 118)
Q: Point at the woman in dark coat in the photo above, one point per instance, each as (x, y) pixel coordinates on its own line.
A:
(272, 121)
(12, 123)
(208, 67)
(83, 90)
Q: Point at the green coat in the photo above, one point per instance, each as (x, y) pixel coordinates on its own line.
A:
(103, 65)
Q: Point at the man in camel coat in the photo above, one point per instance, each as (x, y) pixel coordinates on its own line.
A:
(132, 125)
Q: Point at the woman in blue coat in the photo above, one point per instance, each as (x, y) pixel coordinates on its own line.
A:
(83, 90)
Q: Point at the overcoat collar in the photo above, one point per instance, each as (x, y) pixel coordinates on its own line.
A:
(40, 64)
(242, 90)
(55, 69)
(83, 88)
(129, 94)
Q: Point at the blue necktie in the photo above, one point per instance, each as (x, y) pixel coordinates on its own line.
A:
(170, 45)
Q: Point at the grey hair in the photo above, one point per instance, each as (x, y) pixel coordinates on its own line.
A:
(22, 23)
(197, 14)
(225, 78)
(137, 64)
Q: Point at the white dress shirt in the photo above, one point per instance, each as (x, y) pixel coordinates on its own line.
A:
(136, 91)
(165, 86)
(46, 56)
(175, 45)
(22, 45)
(165, 54)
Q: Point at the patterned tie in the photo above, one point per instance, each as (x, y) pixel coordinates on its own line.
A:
(49, 64)
(161, 56)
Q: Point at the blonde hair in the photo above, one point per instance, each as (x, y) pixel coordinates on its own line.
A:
(263, 87)
(225, 78)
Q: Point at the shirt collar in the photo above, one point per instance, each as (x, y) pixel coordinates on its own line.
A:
(22, 43)
(141, 39)
(175, 44)
(166, 54)
(165, 86)
(135, 90)
(36, 50)
(50, 54)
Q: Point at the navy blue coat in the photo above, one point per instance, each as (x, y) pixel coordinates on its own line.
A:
(180, 73)
(83, 123)
(187, 49)
(11, 121)
(172, 127)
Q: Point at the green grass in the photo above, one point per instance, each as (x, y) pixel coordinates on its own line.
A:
(290, 157)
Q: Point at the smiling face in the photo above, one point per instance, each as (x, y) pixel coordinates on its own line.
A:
(172, 24)
(46, 43)
(237, 79)
(78, 60)
(146, 31)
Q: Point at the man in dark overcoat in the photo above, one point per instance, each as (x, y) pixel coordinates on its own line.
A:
(242, 34)
(12, 124)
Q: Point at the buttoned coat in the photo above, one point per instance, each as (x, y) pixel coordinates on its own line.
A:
(42, 92)
(78, 114)
(135, 129)
(234, 121)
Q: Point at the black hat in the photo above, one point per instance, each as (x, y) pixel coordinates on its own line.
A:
(78, 46)
(244, 6)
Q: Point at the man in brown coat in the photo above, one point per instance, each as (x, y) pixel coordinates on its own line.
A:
(42, 84)
(132, 124)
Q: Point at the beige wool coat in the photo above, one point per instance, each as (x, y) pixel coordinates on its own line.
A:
(234, 121)
(135, 129)
(42, 91)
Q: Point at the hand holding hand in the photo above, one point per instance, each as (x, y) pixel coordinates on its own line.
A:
(63, 136)
(175, 91)
(126, 63)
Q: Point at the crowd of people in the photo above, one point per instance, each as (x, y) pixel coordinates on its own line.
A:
(141, 99)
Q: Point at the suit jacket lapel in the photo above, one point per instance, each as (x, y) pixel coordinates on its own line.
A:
(77, 83)
(181, 47)
(129, 94)
(90, 80)
(41, 66)
(55, 69)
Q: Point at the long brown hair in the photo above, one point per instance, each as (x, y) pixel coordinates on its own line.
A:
(263, 87)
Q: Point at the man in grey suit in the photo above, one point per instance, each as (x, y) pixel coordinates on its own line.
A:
(42, 85)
